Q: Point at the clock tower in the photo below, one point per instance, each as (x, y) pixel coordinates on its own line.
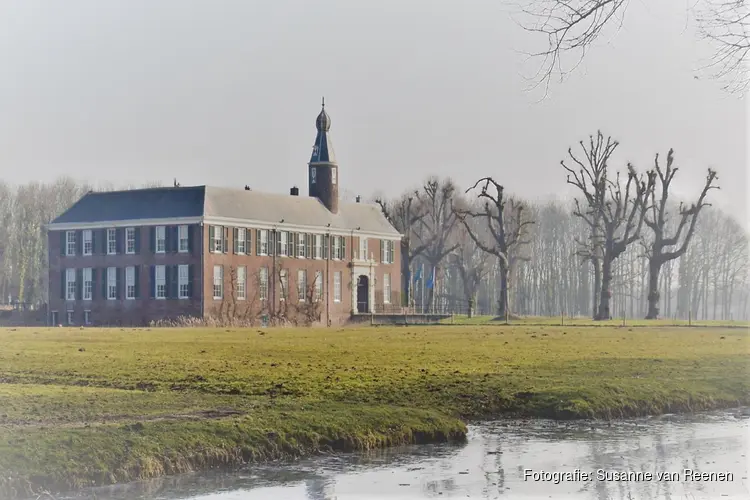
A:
(323, 171)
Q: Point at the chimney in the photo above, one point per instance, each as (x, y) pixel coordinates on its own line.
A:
(358, 198)
(294, 191)
(247, 188)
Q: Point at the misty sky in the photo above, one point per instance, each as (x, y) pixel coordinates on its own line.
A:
(226, 93)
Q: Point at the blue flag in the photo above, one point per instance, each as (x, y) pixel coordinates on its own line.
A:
(418, 274)
(431, 280)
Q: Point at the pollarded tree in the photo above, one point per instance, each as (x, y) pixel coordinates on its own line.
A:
(664, 247)
(471, 263)
(507, 226)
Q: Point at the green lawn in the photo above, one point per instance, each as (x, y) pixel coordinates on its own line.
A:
(102, 405)
(462, 319)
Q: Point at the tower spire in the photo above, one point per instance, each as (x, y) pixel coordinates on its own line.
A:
(323, 169)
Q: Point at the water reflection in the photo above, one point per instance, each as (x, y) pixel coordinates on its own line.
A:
(491, 465)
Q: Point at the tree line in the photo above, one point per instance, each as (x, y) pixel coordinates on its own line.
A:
(621, 248)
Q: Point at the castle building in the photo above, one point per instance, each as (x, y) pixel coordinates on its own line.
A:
(131, 257)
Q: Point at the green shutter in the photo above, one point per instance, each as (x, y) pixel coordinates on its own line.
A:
(225, 237)
(248, 241)
(343, 248)
(211, 236)
(235, 233)
(137, 281)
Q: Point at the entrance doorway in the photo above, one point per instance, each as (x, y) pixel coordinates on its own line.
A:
(363, 294)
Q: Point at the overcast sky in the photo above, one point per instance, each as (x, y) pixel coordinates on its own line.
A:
(226, 93)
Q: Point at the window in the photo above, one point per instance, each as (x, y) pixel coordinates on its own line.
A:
(218, 282)
(70, 284)
(302, 245)
(217, 244)
(241, 282)
(313, 174)
(341, 247)
(86, 317)
(263, 285)
(318, 249)
(336, 248)
(111, 283)
(263, 250)
(283, 250)
(182, 235)
(318, 286)
(70, 318)
(337, 286)
(240, 245)
(160, 282)
(333, 175)
(363, 255)
(387, 251)
(70, 239)
(284, 279)
(302, 285)
(161, 239)
(130, 283)
(88, 242)
(130, 240)
(111, 241)
(88, 284)
(386, 288)
(183, 281)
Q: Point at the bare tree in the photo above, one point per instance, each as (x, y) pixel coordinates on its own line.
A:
(506, 225)
(405, 213)
(574, 26)
(614, 211)
(435, 228)
(590, 179)
(471, 263)
(664, 248)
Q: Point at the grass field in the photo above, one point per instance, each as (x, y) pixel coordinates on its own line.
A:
(83, 406)
(462, 319)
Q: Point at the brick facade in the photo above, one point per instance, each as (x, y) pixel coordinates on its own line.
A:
(199, 258)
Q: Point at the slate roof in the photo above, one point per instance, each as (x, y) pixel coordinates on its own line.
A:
(323, 147)
(208, 201)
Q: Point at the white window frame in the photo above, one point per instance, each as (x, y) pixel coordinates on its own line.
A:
(183, 239)
(336, 248)
(386, 288)
(69, 317)
(301, 246)
(70, 243)
(160, 246)
(242, 241)
(284, 281)
(87, 317)
(313, 174)
(70, 284)
(183, 281)
(263, 283)
(302, 284)
(111, 283)
(337, 276)
(87, 288)
(160, 282)
(130, 283)
(283, 243)
(130, 240)
(318, 246)
(388, 253)
(333, 175)
(87, 247)
(218, 282)
(363, 248)
(263, 242)
(111, 241)
(241, 282)
(218, 241)
(318, 286)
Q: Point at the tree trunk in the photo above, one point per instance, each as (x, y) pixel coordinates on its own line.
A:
(653, 289)
(606, 294)
(597, 289)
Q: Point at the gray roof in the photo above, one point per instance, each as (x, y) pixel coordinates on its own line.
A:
(208, 201)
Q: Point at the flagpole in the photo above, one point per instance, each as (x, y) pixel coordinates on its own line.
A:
(421, 279)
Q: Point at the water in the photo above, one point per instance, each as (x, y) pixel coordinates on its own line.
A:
(492, 465)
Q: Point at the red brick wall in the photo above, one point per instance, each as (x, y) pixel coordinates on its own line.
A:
(123, 311)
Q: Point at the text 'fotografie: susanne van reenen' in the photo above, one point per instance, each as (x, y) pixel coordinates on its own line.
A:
(685, 475)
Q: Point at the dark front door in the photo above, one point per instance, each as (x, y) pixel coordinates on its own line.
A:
(363, 294)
